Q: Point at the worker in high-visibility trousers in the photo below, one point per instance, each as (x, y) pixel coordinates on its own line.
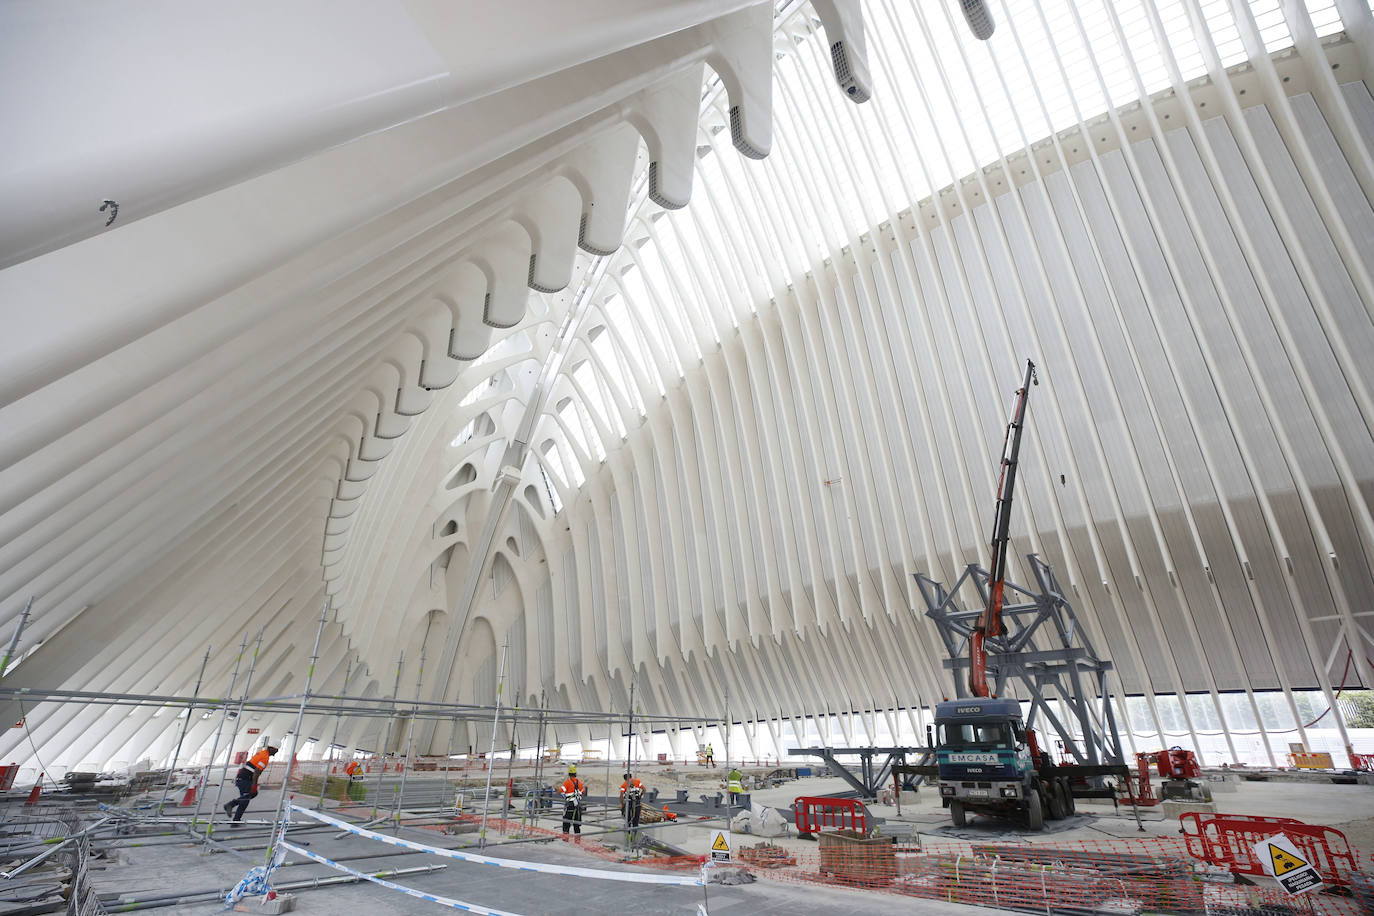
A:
(735, 786)
(573, 790)
(247, 782)
(631, 800)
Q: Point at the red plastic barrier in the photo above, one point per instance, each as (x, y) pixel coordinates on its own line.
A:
(7, 775)
(1362, 762)
(814, 812)
(1227, 840)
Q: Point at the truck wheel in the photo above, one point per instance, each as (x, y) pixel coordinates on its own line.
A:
(1070, 807)
(1054, 795)
(1035, 810)
(956, 814)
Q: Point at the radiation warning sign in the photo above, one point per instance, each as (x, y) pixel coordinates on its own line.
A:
(720, 846)
(1279, 857)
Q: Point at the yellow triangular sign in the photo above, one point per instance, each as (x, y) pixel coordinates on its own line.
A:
(1284, 861)
(720, 843)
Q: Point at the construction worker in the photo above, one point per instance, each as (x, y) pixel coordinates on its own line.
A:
(735, 786)
(631, 800)
(247, 782)
(354, 770)
(573, 790)
(710, 756)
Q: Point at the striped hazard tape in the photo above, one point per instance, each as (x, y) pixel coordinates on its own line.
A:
(518, 864)
(410, 891)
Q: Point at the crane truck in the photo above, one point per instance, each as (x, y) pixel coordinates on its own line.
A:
(988, 761)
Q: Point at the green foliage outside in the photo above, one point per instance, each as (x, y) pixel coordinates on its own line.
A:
(1358, 706)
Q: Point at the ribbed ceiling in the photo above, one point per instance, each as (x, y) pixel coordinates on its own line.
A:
(713, 459)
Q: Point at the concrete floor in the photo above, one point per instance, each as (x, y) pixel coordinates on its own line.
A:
(182, 868)
(150, 870)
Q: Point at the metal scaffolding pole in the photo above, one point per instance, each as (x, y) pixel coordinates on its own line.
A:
(448, 758)
(491, 755)
(381, 751)
(629, 758)
(219, 730)
(510, 761)
(338, 718)
(18, 631)
(296, 735)
(233, 735)
(727, 728)
(410, 737)
(172, 768)
(531, 809)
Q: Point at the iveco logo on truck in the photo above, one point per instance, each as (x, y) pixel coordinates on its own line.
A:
(969, 710)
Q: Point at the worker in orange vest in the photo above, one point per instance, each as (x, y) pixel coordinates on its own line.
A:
(573, 790)
(354, 769)
(247, 782)
(631, 799)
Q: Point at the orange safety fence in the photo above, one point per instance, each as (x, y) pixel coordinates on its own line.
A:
(1132, 875)
(814, 812)
(1227, 840)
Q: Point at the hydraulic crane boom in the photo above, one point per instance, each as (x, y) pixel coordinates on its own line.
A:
(990, 622)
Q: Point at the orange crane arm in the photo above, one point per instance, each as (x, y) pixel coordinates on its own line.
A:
(990, 621)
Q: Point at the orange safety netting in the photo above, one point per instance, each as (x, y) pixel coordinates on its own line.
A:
(1124, 875)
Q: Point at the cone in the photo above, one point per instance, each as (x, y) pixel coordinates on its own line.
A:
(36, 791)
(189, 798)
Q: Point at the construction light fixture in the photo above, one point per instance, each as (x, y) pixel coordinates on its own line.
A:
(979, 18)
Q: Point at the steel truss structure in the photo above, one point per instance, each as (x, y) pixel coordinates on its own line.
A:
(869, 781)
(1042, 649)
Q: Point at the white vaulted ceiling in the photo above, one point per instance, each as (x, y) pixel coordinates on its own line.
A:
(617, 334)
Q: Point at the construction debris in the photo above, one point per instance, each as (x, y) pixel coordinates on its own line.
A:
(767, 855)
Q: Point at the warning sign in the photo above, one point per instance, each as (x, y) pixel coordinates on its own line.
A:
(1279, 857)
(1281, 863)
(720, 847)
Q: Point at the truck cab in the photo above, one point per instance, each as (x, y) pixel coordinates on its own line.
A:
(984, 761)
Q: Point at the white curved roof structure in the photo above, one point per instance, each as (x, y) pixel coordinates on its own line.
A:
(619, 335)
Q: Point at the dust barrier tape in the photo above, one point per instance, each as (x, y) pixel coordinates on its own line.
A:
(518, 864)
(410, 891)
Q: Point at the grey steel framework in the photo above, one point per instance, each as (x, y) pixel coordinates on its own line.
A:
(1044, 652)
(870, 780)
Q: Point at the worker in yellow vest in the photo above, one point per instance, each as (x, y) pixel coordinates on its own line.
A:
(735, 786)
(247, 782)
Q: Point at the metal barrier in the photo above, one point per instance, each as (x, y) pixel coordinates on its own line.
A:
(814, 812)
(1227, 840)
